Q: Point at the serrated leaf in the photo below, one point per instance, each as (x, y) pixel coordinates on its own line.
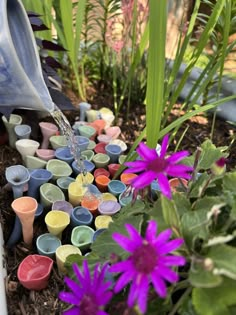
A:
(194, 224)
(170, 213)
(224, 258)
(207, 202)
(215, 301)
(182, 204)
(104, 246)
(229, 181)
(209, 155)
(201, 278)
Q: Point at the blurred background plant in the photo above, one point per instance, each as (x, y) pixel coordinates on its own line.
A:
(131, 52)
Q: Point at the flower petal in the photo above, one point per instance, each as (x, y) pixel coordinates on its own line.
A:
(173, 260)
(75, 288)
(168, 274)
(164, 185)
(125, 242)
(159, 284)
(170, 246)
(162, 238)
(136, 166)
(151, 231)
(179, 171)
(143, 294)
(122, 266)
(164, 146)
(133, 294)
(134, 234)
(178, 156)
(123, 280)
(68, 297)
(72, 311)
(143, 179)
(145, 152)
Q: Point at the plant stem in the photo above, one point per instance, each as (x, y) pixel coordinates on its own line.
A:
(180, 301)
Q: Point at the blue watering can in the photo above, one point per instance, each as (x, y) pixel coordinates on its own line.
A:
(21, 79)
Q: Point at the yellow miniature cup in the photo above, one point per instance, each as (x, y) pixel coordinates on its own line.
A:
(56, 222)
(102, 221)
(62, 252)
(75, 193)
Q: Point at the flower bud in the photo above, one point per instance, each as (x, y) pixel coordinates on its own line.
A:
(218, 168)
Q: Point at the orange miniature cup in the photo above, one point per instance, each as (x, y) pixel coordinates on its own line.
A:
(175, 183)
(127, 178)
(102, 182)
(90, 202)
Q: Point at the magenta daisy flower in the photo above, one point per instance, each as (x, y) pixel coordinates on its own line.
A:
(148, 262)
(157, 166)
(89, 295)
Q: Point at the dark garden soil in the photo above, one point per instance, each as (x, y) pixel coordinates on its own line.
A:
(23, 301)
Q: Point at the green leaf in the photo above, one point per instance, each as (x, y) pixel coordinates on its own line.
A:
(229, 181)
(170, 213)
(207, 203)
(104, 246)
(224, 258)
(215, 301)
(201, 278)
(194, 225)
(182, 204)
(209, 155)
(156, 214)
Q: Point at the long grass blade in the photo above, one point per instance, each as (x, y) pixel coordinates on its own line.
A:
(156, 69)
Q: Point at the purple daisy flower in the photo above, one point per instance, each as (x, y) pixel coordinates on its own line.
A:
(89, 295)
(156, 166)
(148, 262)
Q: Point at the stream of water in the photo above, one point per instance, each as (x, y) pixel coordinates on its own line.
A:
(67, 131)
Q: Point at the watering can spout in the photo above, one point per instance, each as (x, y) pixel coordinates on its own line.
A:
(21, 79)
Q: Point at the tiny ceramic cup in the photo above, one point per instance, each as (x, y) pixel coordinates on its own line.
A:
(75, 193)
(176, 184)
(58, 169)
(23, 131)
(88, 166)
(122, 158)
(102, 221)
(58, 142)
(82, 142)
(113, 151)
(47, 244)
(120, 143)
(81, 216)
(108, 196)
(127, 178)
(125, 200)
(63, 183)
(48, 130)
(104, 138)
(97, 233)
(64, 154)
(91, 145)
(113, 131)
(83, 108)
(87, 131)
(113, 168)
(84, 180)
(102, 182)
(82, 237)
(63, 205)
(109, 207)
(34, 272)
(91, 202)
(45, 154)
(100, 148)
(50, 193)
(92, 115)
(116, 187)
(33, 162)
(101, 171)
(88, 155)
(101, 160)
(56, 222)
(26, 147)
(62, 253)
(99, 125)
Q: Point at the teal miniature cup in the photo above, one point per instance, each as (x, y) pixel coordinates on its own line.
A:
(116, 187)
(82, 237)
(47, 244)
